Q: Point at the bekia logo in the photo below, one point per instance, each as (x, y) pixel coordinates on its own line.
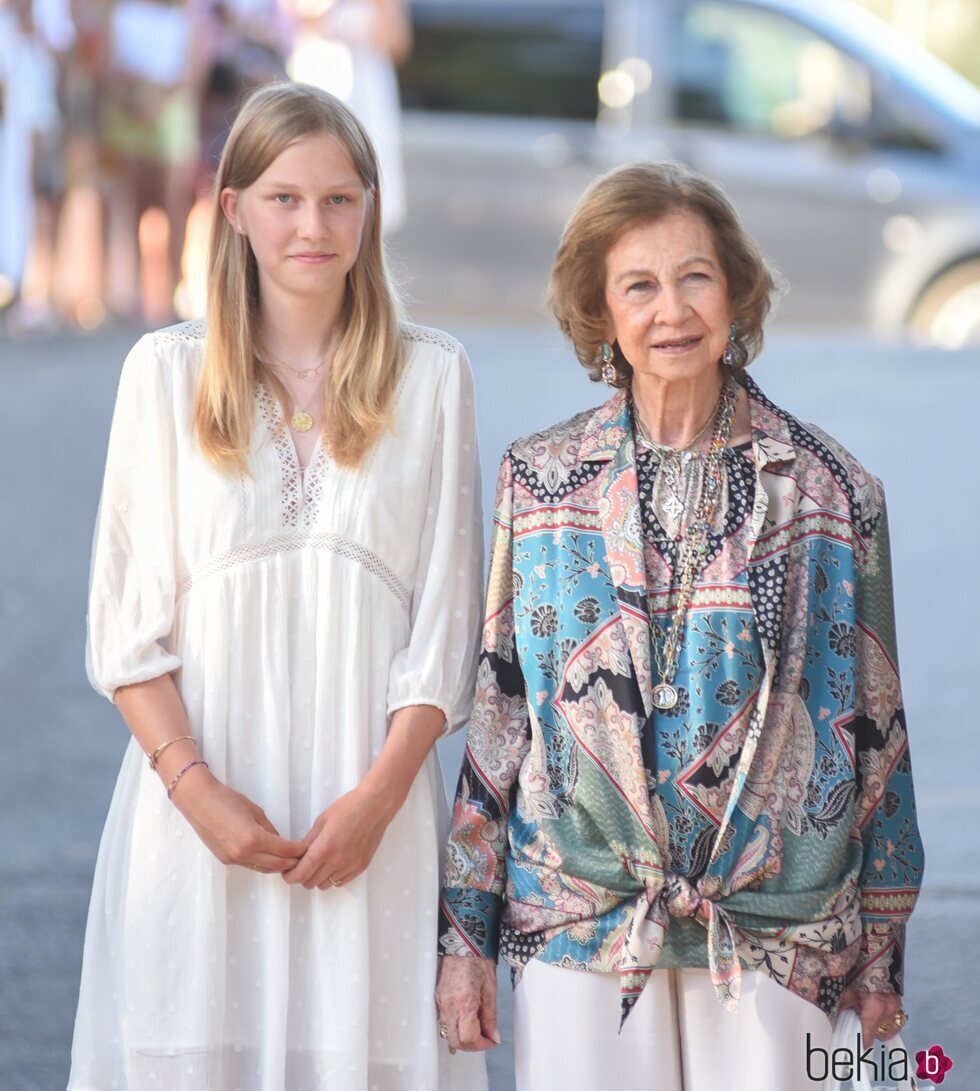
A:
(933, 1064)
(876, 1064)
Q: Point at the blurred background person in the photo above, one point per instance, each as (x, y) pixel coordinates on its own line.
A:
(52, 36)
(243, 45)
(76, 284)
(28, 113)
(350, 48)
(153, 83)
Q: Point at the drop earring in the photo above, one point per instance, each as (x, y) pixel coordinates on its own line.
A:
(609, 373)
(729, 356)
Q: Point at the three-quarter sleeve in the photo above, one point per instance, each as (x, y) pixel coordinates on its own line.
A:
(885, 817)
(132, 590)
(438, 665)
(497, 741)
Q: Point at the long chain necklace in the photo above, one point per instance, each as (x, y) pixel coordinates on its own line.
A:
(302, 420)
(692, 550)
(677, 462)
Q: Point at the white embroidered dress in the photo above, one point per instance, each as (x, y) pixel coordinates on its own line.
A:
(298, 616)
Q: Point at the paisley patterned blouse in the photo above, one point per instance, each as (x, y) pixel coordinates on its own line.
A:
(767, 820)
(720, 664)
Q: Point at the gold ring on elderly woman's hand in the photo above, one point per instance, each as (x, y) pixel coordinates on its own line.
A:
(899, 1020)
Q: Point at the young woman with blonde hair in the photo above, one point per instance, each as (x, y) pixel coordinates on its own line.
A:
(284, 603)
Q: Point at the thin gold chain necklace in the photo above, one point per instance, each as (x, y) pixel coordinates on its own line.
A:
(663, 448)
(301, 420)
(307, 373)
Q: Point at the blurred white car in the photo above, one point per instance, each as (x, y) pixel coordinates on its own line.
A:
(852, 155)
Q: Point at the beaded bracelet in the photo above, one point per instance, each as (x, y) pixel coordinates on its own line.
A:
(154, 757)
(173, 784)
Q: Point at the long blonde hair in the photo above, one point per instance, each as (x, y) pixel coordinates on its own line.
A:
(364, 370)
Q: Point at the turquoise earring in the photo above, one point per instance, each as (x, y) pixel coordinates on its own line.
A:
(729, 356)
(609, 373)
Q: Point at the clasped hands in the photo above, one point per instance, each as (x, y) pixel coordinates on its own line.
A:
(338, 847)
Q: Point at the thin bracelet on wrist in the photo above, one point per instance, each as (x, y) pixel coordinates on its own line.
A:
(155, 756)
(173, 784)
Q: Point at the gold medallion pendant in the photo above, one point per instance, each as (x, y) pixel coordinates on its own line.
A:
(302, 421)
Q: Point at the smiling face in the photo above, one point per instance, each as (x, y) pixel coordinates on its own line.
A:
(667, 299)
(304, 217)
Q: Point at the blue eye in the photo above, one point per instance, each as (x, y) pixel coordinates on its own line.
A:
(339, 199)
(282, 198)
(640, 286)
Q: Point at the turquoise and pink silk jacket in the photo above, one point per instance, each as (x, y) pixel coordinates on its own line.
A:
(560, 846)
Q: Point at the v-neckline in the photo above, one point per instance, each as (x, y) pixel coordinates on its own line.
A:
(314, 453)
(301, 485)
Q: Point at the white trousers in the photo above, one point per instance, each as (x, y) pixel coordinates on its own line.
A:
(677, 1038)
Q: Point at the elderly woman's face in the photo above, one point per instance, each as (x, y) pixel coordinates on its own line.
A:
(667, 298)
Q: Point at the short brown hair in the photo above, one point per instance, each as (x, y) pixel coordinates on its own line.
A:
(643, 193)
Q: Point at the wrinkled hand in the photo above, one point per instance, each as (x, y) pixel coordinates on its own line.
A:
(232, 826)
(874, 1010)
(466, 997)
(342, 842)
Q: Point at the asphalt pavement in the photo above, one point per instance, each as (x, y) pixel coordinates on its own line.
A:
(908, 414)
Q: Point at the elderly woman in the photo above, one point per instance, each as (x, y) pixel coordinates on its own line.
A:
(686, 785)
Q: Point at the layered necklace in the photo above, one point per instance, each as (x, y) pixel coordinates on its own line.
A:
(301, 419)
(692, 550)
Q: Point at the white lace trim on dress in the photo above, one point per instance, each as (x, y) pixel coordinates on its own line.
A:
(425, 335)
(301, 489)
(185, 333)
(290, 543)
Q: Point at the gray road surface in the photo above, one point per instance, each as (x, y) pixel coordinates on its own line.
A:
(910, 415)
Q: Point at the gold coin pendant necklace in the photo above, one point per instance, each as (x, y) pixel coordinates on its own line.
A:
(302, 419)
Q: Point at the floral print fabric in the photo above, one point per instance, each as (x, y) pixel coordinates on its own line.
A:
(774, 806)
(721, 664)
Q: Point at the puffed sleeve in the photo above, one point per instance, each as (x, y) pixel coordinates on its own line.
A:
(885, 817)
(497, 741)
(133, 586)
(438, 666)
